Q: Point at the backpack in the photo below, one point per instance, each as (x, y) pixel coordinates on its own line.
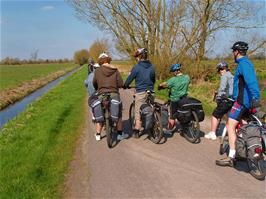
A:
(248, 140)
(147, 117)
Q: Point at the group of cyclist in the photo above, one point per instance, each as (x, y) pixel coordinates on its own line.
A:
(236, 94)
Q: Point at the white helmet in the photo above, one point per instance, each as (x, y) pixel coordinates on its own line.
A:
(103, 55)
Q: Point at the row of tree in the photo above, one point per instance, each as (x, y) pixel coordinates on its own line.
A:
(17, 61)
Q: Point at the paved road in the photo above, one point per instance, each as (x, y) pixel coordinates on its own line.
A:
(137, 168)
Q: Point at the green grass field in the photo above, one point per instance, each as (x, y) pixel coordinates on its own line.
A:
(14, 75)
(37, 146)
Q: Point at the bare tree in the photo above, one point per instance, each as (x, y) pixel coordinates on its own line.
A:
(34, 55)
(98, 47)
(170, 30)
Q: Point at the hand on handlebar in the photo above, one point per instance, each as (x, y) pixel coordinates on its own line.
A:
(160, 87)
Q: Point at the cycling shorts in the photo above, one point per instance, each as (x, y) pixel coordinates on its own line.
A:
(223, 106)
(237, 111)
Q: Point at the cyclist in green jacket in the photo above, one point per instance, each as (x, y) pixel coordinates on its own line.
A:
(178, 85)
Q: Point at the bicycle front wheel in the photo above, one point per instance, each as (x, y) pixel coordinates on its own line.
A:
(192, 129)
(132, 118)
(156, 133)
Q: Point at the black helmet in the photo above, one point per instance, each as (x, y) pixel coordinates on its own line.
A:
(240, 46)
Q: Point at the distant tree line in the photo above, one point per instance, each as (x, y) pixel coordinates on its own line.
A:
(17, 61)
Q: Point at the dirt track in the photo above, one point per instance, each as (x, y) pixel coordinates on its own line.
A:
(137, 168)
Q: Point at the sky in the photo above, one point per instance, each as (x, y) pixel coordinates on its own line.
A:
(47, 26)
(50, 26)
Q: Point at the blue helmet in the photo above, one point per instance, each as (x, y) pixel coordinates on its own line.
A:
(221, 66)
(175, 67)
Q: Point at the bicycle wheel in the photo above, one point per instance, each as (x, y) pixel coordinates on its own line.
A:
(257, 168)
(224, 144)
(191, 129)
(108, 130)
(132, 118)
(156, 134)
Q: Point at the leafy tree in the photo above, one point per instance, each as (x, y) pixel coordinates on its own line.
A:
(81, 57)
(97, 48)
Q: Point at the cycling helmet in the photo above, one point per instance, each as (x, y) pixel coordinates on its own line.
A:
(140, 51)
(240, 46)
(104, 58)
(221, 66)
(103, 55)
(175, 67)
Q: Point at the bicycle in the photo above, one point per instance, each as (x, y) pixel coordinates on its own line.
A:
(110, 126)
(190, 127)
(257, 164)
(156, 132)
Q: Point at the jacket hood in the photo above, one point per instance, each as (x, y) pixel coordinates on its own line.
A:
(108, 70)
(145, 64)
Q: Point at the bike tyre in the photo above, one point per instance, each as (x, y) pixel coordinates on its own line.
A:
(193, 128)
(224, 143)
(132, 118)
(108, 130)
(156, 133)
(253, 167)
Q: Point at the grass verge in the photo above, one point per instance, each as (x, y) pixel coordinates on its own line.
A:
(37, 146)
(10, 96)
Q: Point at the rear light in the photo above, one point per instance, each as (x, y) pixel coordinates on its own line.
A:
(238, 126)
(258, 150)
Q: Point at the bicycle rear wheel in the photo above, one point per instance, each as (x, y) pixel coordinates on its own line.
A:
(108, 129)
(192, 129)
(156, 133)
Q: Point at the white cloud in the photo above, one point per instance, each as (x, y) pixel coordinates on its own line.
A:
(48, 8)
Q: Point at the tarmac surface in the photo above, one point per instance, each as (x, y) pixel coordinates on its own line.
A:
(138, 168)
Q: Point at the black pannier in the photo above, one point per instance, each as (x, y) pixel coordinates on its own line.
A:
(96, 106)
(164, 116)
(190, 104)
(183, 116)
(147, 117)
(115, 107)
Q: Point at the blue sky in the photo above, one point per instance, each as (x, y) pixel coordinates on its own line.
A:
(47, 26)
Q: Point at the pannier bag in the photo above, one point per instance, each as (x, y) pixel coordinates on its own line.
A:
(190, 104)
(164, 116)
(147, 117)
(183, 116)
(115, 108)
(97, 110)
(251, 134)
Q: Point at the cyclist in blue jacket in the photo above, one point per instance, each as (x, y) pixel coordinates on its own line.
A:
(144, 75)
(246, 94)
